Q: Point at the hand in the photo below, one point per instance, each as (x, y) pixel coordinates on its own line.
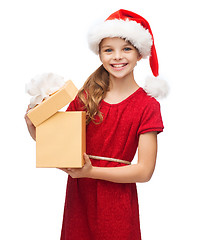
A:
(28, 122)
(31, 127)
(84, 172)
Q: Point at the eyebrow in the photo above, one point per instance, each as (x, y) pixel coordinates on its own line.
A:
(127, 44)
(105, 46)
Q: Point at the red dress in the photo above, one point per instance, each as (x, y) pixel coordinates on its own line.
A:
(102, 210)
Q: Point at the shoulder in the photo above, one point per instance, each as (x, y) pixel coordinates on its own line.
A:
(147, 98)
(150, 115)
(143, 101)
(76, 104)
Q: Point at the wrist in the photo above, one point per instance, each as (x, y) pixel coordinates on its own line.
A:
(92, 172)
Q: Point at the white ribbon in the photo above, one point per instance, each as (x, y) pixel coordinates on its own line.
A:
(42, 86)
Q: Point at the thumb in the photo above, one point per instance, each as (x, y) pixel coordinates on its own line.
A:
(86, 158)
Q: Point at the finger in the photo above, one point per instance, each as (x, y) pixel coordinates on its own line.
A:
(27, 119)
(26, 116)
(63, 169)
(27, 109)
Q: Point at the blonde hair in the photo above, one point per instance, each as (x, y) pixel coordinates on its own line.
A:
(92, 92)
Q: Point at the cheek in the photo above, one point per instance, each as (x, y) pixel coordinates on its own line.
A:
(133, 60)
(105, 59)
(101, 56)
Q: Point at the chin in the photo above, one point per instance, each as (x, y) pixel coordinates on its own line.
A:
(121, 75)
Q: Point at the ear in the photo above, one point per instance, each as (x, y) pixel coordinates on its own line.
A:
(139, 57)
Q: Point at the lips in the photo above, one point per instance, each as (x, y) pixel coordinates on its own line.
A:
(118, 66)
(121, 65)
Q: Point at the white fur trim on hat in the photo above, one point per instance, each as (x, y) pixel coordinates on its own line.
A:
(155, 87)
(128, 29)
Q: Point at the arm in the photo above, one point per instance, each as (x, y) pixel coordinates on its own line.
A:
(140, 172)
(31, 127)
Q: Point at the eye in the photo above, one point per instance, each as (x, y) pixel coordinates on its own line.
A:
(108, 50)
(126, 49)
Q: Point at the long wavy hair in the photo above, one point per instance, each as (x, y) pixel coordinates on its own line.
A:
(92, 92)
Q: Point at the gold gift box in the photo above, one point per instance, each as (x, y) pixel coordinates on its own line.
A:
(60, 136)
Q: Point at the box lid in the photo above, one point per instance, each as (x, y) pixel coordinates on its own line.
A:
(55, 102)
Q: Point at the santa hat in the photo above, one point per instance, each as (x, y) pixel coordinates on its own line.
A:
(135, 29)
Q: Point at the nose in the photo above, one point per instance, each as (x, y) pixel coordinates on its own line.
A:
(117, 55)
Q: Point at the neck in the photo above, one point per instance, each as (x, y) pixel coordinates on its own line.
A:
(127, 84)
(120, 89)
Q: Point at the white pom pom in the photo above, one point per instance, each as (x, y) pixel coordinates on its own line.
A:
(42, 86)
(156, 88)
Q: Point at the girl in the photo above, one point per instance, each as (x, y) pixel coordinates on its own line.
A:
(101, 198)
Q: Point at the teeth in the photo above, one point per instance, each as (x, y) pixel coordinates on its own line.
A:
(119, 65)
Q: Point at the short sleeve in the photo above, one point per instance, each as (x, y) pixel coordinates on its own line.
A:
(151, 120)
(75, 105)
(71, 106)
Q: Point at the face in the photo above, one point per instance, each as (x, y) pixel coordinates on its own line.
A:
(118, 57)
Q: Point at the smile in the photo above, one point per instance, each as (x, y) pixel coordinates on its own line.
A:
(119, 67)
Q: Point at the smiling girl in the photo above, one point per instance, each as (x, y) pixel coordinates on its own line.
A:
(101, 198)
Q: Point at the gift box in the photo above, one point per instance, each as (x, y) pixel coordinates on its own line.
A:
(61, 140)
(60, 136)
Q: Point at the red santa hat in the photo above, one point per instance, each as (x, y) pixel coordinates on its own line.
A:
(135, 29)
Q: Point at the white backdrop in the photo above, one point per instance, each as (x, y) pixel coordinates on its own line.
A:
(50, 36)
